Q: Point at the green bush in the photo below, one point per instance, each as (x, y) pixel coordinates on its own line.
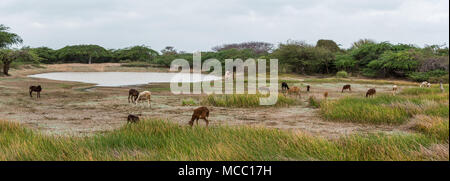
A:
(341, 74)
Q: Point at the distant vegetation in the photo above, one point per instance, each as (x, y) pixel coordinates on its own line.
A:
(366, 57)
(164, 140)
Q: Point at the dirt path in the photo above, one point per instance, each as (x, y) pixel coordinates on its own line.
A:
(71, 108)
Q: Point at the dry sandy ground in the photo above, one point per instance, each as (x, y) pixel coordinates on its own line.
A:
(73, 108)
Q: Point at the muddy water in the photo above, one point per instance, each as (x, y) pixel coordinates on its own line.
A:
(116, 79)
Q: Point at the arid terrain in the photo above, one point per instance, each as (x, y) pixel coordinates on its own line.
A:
(73, 108)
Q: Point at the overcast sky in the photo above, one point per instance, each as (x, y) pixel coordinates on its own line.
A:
(199, 25)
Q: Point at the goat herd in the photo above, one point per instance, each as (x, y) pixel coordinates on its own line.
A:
(135, 96)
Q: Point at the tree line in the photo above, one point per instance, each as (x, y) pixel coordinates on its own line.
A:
(365, 57)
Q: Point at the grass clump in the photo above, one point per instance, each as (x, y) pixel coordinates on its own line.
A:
(432, 126)
(388, 109)
(245, 100)
(189, 102)
(162, 140)
(363, 110)
(314, 102)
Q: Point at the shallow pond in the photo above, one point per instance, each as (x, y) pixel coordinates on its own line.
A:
(116, 79)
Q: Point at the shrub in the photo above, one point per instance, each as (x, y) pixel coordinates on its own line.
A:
(341, 74)
(313, 102)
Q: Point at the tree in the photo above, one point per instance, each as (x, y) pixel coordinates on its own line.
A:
(328, 44)
(345, 62)
(169, 50)
(7, 39)
(136, 53)
(391, 63)
(256, 47)
(7, 56)
(46, 55)
(362, 42)
(83, 53)
(370, 51)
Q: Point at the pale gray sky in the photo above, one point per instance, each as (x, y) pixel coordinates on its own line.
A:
(201, 24)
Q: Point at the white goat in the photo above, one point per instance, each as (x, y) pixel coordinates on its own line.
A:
(424, 84)
(394, 89)
(144, 95)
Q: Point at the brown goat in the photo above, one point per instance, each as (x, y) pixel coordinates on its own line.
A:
(133, 95)
(36, 89)
(325, 94)
(348, 86)
(200, 113)
(294, 90)
(371, 92)
(132, 118)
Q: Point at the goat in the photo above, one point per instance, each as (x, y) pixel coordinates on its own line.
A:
(133, 94)
(394, 89)
(424, 84)
(294, 90)
(371, 92)
(428, 84)
(200, 113)
(348, 86)
(325, 95)
(144, 95)
(132, 118)
(307, 88)
(442, 87)
(284, 86)
(36, 89)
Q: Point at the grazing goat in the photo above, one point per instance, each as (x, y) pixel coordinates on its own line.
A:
(441, 87)
(348, 86)
(325, 95)
(200, 113)
(371, 92)
(144, 95)
(307, 88)
(132, 118)
(428, 84)
(133, 94)
(394, 89)
(295, 90)
(284, 86)
(424, 84)
(36, 89)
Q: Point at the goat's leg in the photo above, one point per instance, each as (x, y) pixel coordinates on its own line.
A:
(207, 121)
(39, 94)
(31, 93)
(137, 99)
